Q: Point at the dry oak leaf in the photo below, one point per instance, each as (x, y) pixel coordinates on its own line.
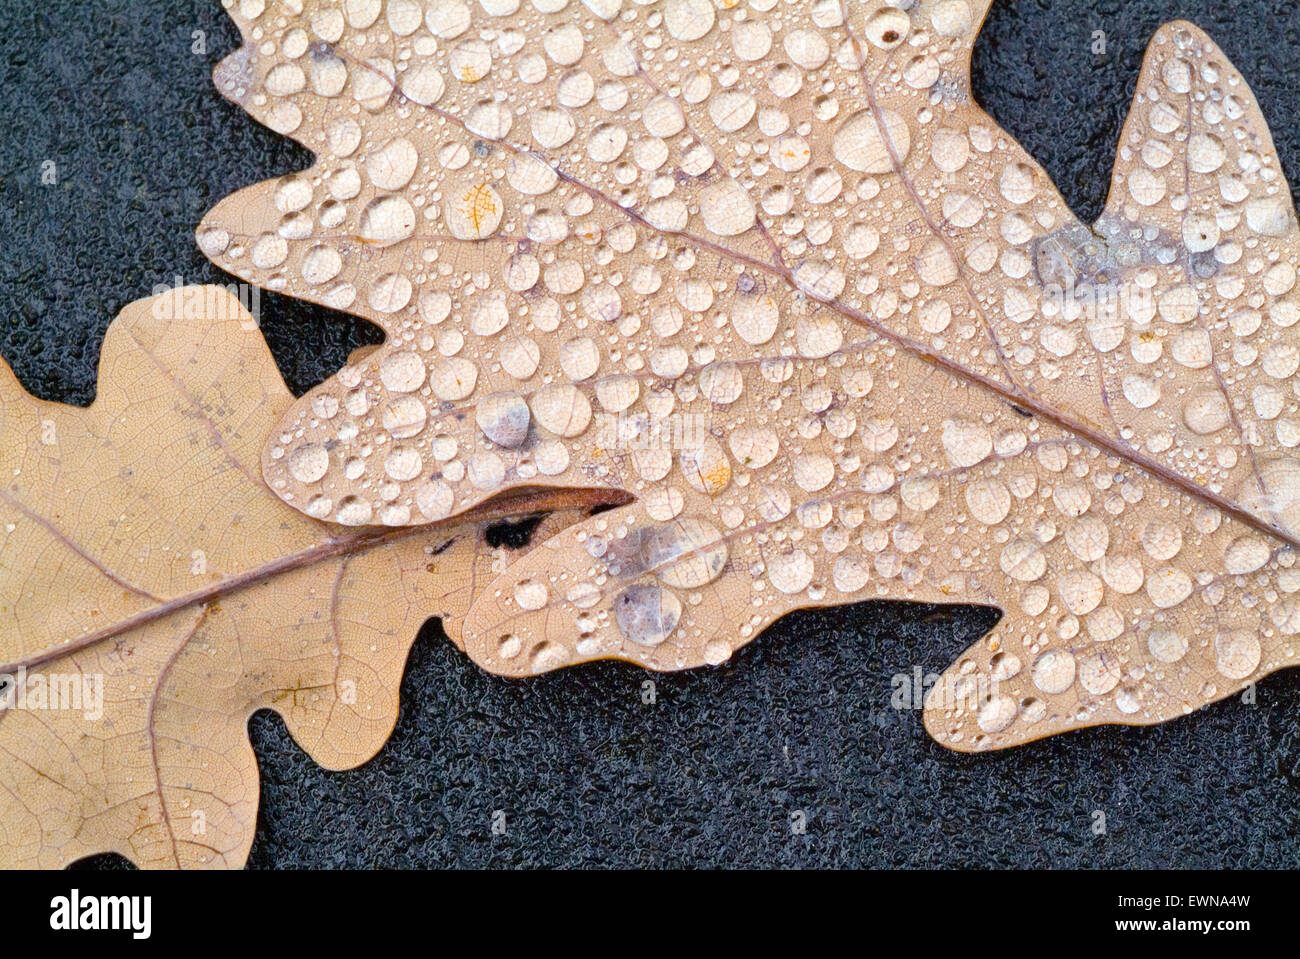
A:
(154, 594)
(770, 269)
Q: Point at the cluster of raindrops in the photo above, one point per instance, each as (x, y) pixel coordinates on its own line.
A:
(1196, 347)
(1123, 601)
(694, 250)
(642, 185)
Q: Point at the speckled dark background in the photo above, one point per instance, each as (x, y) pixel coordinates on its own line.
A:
(586, 773)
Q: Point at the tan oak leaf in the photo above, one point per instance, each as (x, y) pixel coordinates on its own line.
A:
(771, 270)
(154, 594)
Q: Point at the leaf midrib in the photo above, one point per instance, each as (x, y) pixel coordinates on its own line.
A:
(516, 502)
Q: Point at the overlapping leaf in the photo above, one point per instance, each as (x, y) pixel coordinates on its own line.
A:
(155, 594)
(769, 268)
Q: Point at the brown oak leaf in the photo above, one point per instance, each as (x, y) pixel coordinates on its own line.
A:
(155, 594)
(771, 270)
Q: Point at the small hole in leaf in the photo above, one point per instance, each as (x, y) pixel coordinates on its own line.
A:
(512, 533)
